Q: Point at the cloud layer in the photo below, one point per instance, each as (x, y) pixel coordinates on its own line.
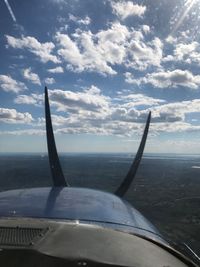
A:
(90, 111)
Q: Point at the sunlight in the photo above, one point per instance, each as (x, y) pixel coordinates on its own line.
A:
(187, 7)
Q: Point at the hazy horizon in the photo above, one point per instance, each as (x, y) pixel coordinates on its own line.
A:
(130, 154)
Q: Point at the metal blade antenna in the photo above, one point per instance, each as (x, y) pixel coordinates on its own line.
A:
(56, 170)
(133, 169)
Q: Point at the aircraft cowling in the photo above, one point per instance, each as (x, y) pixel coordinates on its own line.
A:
(76, 204)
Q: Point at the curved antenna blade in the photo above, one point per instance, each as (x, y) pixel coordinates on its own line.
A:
(133, 169)
(56, 170)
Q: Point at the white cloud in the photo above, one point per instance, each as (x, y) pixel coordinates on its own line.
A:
(124, 9)
(24, 132)
(90, 99)
(33, 99)
(56, 70)
(144, 54)
(135, 100)
(49, 80)
(84, 21)
(42, 50)
(175, 127)
(97, 52)
(129, 78)
(146, 29)
(100, 52)
(110, 128)
(167, 79)
(171, 39)
(8, 84)
(112, 43)
(173, 79)
(12, 116)
(88, 57)
(69, 50)
(184, 50)
(188, 53)
(60, 2)
(30, 76)
(124, 114)
(175, 111)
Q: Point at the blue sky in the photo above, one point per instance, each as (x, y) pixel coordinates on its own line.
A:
(106, 64)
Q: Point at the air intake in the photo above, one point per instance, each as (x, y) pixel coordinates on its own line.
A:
(20, 236)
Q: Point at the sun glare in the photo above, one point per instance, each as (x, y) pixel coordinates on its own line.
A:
(186, 9)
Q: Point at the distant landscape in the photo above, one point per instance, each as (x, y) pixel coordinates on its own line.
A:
(166, 189)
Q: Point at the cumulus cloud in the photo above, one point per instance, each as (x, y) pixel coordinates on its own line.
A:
(42, 50)
(122, 114)
(56, 70)
(8, 84)
(188, 53)
(167, 79)
(124, 9)
(33, 99)
(136, 100)
(144, 54)
(175, 111)
(100, 52)
(69, 50)
(129, 78)
(30, 76)
(88, 57)
(166, 117)
(90, 99)
(13, 116)
(146, 29)
(175, 78)
(49, 80)
(78, 20)
(183, 50)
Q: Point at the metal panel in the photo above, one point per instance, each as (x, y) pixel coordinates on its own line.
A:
(72, 204)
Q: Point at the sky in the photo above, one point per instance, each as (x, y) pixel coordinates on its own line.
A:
(106, 65)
